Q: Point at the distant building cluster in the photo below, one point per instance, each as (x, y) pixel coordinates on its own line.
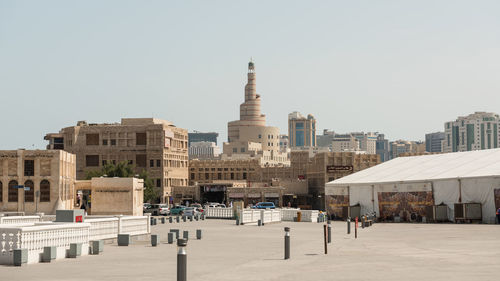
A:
(256, 163)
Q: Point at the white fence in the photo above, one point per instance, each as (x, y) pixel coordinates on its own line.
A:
(306, 215)
(219, 213)
(253, 216)
(19, 219)
(37, 235)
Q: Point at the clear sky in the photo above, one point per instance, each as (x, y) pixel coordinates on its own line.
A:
(402, 68)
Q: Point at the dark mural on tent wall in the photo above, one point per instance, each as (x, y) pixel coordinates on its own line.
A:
(409, 206)
(497, 198)
(336, 203)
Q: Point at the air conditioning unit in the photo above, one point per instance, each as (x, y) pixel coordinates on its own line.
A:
(437, 213)
(468, 212)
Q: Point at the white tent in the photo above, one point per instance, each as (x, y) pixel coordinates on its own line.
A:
(466, 177)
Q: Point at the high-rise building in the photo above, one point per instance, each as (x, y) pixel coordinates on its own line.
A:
(205, 137)
(326, 139)
(154, 145)
(382, 148)
(433, 142)
(367, 142)
(203, 150)
(473, 132)
(406, 147)
(301, 130)
(345, 142)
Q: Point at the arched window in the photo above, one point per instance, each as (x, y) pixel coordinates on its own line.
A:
(1, 192)
(45, 191)
(12, 191)
(29, 195)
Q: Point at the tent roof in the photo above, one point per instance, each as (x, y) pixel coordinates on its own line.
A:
(470, 164)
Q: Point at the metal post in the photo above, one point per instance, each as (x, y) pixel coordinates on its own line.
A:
(181, 260)
(329, 232)
(348, 225)
(324, 238)
(363, 220)
(259, 222)
(170, 237)
(356, 229)
(198, 234)
(287, 243)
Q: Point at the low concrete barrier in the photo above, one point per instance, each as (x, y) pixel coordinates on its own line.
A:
(219, 213)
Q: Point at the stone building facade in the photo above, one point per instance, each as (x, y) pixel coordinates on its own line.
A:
(154, 145)
(48, 178)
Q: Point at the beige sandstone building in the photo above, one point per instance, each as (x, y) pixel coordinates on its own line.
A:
(49, 178)
(250, 135)
(154, 145)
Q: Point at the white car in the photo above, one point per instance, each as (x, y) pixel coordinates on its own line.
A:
(190, 211)
(160, 209)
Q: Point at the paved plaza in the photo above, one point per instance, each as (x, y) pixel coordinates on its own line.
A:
(230, 252)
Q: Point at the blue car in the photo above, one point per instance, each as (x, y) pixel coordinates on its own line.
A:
(264, 205)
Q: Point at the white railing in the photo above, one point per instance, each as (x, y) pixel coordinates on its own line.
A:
(19, 219)
(221, 213)
(253, 216)
(35, 238)
(133, 225)
(306, 215)
(105, 228)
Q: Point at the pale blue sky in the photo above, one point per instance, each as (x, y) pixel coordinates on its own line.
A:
(398, 67)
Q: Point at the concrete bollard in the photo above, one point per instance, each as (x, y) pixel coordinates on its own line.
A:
(170, 219)
(185, 235)
(155, 239)
(329, 232)
(325, 238)
(196, 217)
(170, 237)
(191, 218)
(184, 218)
(97, 247)
(287, 243)
(177, 219)
(363, 220)
(20, 256)
(176, 231)
(123, 239)
(163, 220)
(237, 221)
(198, 234)
(348, 225)
(259, 222)
(75, 250)
(181, 260)
(49, 253)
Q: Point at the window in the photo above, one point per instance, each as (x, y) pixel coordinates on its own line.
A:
(29, 195)
(260, 136)
(45, 191)
(140, 160)
(104, 142)
(151, 163)
(158, 182)
(12, 191)
(232, 176)
(92, 160)
(242, 149)
(192, 176)
(158, 163)
(207, 176)
(92, 139)
(219, 176)
(244, 176)
(29, 168)
(235, 149)
(140, 139)
(130, 162)
(113, 142)
(104, 162)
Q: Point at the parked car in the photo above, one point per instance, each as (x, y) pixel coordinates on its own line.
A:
(160, 209)
(147, 208)
(264, 205)
(197, 206)
(177, 210)
(220, 206)
(190, 211)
